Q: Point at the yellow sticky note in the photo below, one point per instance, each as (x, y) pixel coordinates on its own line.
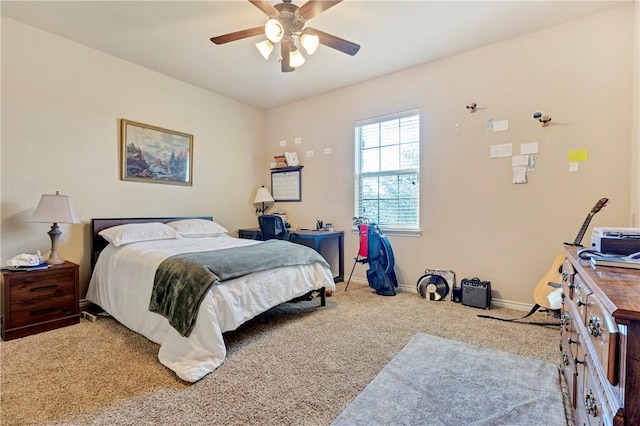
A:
(578, 155)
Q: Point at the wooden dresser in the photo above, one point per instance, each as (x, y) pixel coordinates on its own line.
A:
(35, 301)
(600, 341)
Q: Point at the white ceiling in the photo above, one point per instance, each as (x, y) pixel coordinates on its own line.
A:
(172, 37)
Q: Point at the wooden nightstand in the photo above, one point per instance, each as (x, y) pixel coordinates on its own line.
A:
(36, 301)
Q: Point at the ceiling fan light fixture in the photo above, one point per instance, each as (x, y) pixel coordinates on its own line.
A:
(310, 42)
(274, 30)
(295, 58)
(265, 48)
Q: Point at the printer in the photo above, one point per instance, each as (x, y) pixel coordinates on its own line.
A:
(623, 241)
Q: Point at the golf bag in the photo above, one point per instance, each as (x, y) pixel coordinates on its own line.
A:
(380, 274)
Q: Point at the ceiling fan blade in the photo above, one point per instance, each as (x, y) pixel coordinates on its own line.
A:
(315, 7)
(285, 55)
(238, 35)
(265, 6)
(336, 42)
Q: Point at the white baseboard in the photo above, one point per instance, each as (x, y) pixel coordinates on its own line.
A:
(498, 303)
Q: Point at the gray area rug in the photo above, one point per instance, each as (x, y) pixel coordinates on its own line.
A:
(437, 381)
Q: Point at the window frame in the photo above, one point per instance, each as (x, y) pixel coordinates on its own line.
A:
(392, 229)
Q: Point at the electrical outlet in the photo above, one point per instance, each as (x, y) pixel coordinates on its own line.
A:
(283, 143)
(298, 140)
(309, 154)
(327, 151)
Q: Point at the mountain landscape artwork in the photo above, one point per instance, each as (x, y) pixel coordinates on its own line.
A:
(153, 154)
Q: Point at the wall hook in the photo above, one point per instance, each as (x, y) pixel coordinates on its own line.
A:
(472, 107)
(545, 120)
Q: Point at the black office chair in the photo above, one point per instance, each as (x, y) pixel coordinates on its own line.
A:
(273, 227)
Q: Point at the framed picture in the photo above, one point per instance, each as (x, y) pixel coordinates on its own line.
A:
(155, 155)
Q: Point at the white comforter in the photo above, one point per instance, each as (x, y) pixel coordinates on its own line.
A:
(122, 281)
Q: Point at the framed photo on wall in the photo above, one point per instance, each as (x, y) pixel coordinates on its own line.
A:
(155, 155)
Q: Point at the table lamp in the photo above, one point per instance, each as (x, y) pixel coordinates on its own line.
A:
(264, 198)
(54, 209)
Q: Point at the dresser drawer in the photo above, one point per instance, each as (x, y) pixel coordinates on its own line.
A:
(568, 273)
(581, 294)
(569, 330)
(592, 400)
(604, 334)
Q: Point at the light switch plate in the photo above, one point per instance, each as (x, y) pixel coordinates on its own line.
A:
(283, 143)
(309, 154)
(327, 151)
(298, 140)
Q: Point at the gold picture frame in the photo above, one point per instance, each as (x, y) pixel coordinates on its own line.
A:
(155, 155)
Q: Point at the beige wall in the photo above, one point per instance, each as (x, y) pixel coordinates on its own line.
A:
(473, 219)
(61, 103)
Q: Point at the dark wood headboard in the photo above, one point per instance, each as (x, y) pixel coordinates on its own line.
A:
(98, 243)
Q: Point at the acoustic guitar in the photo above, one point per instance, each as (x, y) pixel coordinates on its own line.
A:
(546, 285)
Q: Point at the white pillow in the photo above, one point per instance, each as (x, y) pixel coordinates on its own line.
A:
(136, 232)
(194, 228)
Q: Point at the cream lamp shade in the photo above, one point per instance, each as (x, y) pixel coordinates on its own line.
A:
(295, 58)
(263, 200)
(273, 30)
(54, 208)
(310, 42)
(265, 48)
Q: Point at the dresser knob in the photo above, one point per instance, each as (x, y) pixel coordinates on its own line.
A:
(577, 361)
(581, 303)
(571, 341)
(594, 326)
(590, 404)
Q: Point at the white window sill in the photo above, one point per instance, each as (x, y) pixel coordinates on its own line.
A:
(396, 231)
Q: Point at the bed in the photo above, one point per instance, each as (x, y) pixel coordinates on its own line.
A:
(122, 283)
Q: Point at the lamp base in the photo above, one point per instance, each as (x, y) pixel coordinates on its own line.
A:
(54, 259)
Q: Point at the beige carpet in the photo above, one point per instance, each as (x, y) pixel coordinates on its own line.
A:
(302, 368)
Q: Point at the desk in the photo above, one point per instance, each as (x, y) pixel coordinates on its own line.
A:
(308, 238)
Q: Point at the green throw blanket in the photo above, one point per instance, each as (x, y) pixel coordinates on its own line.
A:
(181, 281)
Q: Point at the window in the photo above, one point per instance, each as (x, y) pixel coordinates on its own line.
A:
(388, 170)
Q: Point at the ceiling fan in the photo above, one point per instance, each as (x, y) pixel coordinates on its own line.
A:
(287, 22)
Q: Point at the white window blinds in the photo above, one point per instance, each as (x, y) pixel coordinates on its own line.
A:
(388, 170)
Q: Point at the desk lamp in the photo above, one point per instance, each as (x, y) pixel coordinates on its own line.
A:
(54, 209)
(262, 197)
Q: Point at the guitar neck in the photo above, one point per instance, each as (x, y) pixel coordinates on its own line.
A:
(583, 229)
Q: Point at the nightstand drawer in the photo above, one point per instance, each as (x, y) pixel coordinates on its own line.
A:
(38, 287)
(38, 310)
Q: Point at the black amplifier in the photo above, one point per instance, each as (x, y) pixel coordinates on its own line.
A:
(476, 293)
